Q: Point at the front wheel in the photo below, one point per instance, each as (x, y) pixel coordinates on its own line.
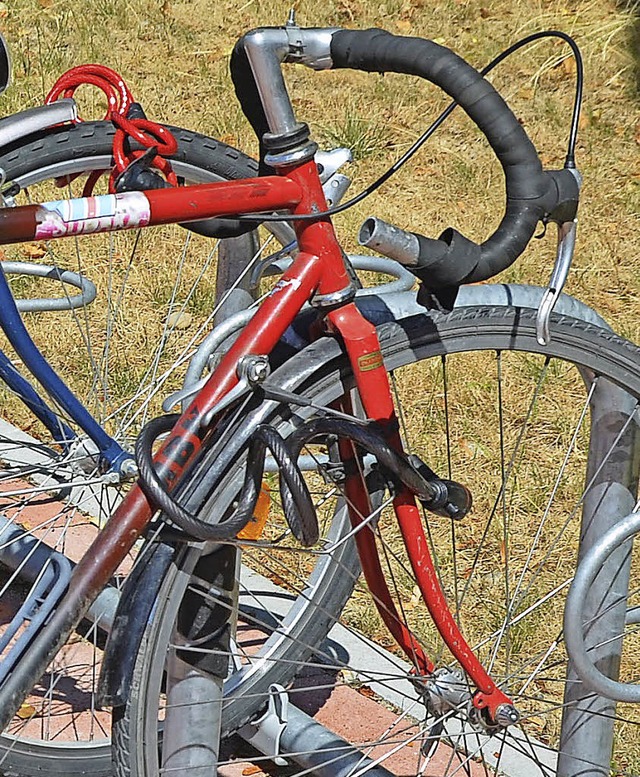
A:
(544, 439)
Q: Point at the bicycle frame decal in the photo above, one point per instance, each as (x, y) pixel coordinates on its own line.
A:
(370, 361)
(93, 214)
(282, 284)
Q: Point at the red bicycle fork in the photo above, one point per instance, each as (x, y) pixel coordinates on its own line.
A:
(363, 348)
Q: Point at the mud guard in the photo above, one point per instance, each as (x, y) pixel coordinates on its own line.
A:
(139, 594)
(21, 125)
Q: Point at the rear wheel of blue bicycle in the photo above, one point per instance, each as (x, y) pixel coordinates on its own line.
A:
(122, 354)
(544, 437)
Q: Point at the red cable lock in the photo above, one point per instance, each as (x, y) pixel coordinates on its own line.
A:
(147, 134)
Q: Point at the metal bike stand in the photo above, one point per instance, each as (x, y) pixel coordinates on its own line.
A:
(285, 732)
(313, 747)
(23, 553)
(588, 719)
(233, 282)
(198, 664)
(65, 301)
(589, 568)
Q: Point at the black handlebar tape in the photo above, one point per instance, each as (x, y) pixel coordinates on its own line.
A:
(530, 192)
(453, 259)
(435, 257)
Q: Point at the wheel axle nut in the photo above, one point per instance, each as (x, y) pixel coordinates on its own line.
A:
(507, 715)
(129, 469)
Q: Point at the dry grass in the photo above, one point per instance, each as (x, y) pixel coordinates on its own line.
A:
(174, 55)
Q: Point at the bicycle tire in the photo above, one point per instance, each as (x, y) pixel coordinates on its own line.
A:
(533, 644)
(28, 460)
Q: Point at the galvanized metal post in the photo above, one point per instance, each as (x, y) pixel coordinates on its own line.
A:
(612, 476)
(198, 664)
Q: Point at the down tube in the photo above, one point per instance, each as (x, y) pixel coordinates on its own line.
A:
(124, 527)
(363, 347)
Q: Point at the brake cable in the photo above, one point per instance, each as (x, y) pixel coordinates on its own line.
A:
(417, 145)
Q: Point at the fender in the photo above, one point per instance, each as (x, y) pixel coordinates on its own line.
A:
(21, 125)
(141, 587)
(138, 596)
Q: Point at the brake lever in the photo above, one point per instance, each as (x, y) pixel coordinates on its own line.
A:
(564, 214)
(564, 257)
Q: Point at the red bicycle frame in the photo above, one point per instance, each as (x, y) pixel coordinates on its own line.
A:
(319, 270)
